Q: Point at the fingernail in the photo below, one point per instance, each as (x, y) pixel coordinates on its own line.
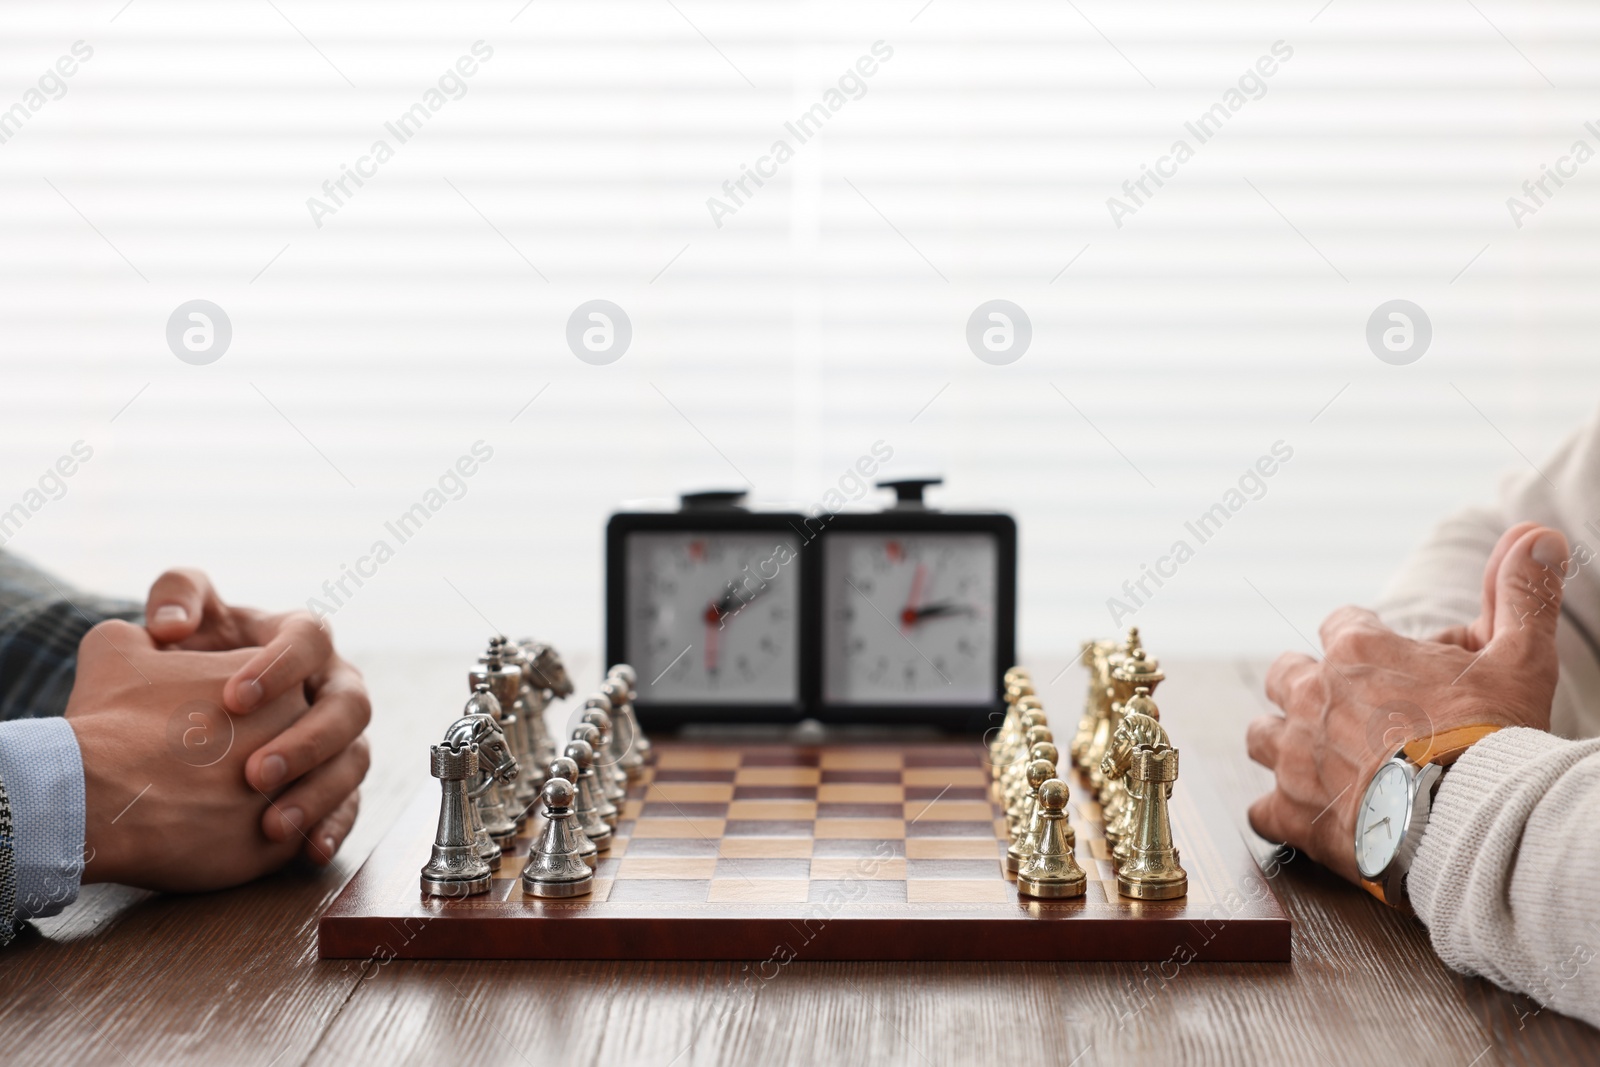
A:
(292, 817)
(273, 768)
(249, 694)
(329, 846)
(1551, 550)
(170, 613)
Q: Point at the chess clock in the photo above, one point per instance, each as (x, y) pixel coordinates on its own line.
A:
(905, 615)
(916, 613)
(708, 604)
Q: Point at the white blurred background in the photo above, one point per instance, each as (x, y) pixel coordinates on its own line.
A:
(829, 312)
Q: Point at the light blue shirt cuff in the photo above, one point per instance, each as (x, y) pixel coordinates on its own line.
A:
(43, 774)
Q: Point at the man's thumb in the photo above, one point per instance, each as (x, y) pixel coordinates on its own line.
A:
(1528, 590)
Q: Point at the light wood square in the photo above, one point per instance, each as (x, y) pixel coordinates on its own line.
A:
(656, 867)
(943, 776)
(766, 848)
(758, 891)
(632, 808)
(862, 829)
(773, 809)
(690, 792)
(710, 829)
(511, 866)
(957, 891)
(679, 758)
(950, 810)
(619, 847)
(602, 890)
(950, 848)
(860, 793)
(778, 776)
(846, 868)
(861, 759)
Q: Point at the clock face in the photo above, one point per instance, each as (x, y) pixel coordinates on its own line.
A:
(714, 617)
(1381, 822)
(909, 618)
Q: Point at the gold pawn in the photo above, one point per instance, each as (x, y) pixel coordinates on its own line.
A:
(1039, 772)
(1052, 872)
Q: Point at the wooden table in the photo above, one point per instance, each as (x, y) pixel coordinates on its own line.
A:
(129, 977)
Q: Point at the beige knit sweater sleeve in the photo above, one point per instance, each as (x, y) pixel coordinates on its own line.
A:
(1507, 877)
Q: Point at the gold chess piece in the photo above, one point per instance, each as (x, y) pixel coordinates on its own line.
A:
(1135, 669)
(1019, 699)
(1151, 871)
(1141, 725)
(1020, 848)
(1104, 694)
(1016, 750)
(1096, 656)
(1051, 871)
(1017, 783)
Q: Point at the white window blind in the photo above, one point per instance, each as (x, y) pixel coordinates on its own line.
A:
(374, 344)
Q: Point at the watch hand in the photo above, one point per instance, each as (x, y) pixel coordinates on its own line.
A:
(713, 620)
(934, 611)
(908, 615)
(731, 603)
(1381, 822)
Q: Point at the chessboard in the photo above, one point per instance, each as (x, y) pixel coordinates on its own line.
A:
(847, 852)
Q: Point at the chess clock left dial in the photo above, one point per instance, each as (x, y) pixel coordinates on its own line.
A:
(713, 616)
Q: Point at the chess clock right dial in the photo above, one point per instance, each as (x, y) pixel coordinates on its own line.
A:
(918, 612)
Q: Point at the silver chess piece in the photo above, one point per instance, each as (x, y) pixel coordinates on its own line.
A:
(547, 677)
(495, 765)
(455, 868)
(502, 680)
(523, 794)
(563, 768)
(613, 779)
(585, 809)
(630, 679)
(555, 866)
(632, 740)
(603, 805)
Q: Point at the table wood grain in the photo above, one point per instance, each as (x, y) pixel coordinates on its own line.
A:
(128, 977)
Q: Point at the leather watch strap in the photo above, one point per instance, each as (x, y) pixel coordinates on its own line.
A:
(1446, 747)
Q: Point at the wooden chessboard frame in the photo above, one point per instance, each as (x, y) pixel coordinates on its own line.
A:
(859, 852)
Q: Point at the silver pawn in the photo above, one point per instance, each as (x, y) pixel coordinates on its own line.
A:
(588, 815)
(455, 869)
(605, 761)
(630, 679)
(555, 867)
(563, 768)
(615, 690)
(603, 805)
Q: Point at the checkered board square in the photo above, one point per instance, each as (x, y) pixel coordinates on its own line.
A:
(866, 851)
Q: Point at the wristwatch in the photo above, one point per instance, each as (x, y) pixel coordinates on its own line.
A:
(1395, 808)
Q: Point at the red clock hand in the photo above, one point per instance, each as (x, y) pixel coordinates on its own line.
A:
(909, 616)
(713, 619)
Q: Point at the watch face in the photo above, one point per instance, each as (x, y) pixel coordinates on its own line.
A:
(1381, 822)
(909, 618)
(714, 617)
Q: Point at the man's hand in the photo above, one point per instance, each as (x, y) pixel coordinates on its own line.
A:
(167, 805)
(292, 651)
(1332, 736)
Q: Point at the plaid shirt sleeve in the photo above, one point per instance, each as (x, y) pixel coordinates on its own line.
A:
(41, 622)
(41, 813)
